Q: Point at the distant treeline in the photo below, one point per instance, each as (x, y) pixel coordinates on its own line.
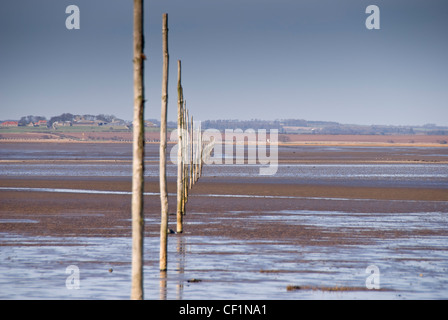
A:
(86, 117)
(67, 117)
(26, 120)
(301, 126)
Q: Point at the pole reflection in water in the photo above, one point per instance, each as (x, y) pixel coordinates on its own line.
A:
(162, 287)
(181, 249)
(180, 268)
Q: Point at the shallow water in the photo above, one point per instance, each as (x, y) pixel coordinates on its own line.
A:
(423, 175)
(119, 158)
(123, 151)
(410, 267)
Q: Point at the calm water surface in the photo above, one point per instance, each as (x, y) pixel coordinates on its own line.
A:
(410, 268)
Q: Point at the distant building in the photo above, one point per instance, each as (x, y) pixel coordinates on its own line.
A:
(85, 123)
(10, 124)
(62, 124)
(41, 123)
(149, 124)
(115, 123)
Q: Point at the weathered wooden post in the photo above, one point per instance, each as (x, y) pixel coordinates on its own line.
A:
(201, 149)
(197, 153)
(180, 193)
(185, 156)
(162, 161)
(188, 148)
(138, 156)
(191, 152)
(194, 153)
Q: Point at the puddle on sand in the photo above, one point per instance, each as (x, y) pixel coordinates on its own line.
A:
(18, 221)
(351, 221)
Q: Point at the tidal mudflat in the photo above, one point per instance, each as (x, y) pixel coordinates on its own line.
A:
(316, 226)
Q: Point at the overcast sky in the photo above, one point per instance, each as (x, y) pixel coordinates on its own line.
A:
(242, 59)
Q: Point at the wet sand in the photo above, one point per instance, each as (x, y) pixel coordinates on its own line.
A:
(71, 214)
(416, 140)
(108, 215)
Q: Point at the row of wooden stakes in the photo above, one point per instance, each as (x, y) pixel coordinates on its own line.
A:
(191, 152)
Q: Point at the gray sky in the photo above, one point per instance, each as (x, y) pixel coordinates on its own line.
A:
(242, 59)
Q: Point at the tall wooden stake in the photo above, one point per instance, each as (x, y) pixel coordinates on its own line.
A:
(163, 138)
(180, 167)
(200, 151)
(138, 156)
(185, 149)
(191, 152)
(196, 154)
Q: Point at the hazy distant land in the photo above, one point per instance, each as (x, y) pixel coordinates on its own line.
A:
(107, 128)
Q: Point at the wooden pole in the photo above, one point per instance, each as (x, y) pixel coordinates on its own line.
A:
(188, 142)
(163, 138)
(196, 155)
(191, 152)
(185, 148)
(201, 148)
(180, 194)
(138, 156)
